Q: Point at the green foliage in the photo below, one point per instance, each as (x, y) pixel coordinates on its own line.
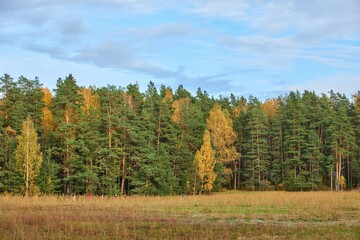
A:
(116, 141)
(256, 160)
(28, 157)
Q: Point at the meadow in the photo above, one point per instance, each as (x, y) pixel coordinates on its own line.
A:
(226, 215)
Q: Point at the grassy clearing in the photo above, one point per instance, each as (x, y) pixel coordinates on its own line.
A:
(229, 215)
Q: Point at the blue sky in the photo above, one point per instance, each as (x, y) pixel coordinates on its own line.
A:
(249, 47)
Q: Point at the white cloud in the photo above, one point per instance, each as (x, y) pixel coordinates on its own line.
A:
(72, 27)
(306, 18)
(252, 36)
(172, 30)
(341, 82)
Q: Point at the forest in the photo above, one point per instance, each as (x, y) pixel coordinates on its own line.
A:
(121, 141)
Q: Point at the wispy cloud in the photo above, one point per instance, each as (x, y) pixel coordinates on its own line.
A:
(119, 55)
(340, 82)
(315, 18)
(172, 30)
(55, 52)
(223, 46)
(72, 28)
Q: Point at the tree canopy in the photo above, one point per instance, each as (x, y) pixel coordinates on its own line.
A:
(113, 140)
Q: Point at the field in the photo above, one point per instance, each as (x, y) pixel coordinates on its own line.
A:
(227, 215)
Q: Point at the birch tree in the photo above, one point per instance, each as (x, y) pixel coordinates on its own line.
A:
(28, 156)
(205, 163)
(223, 136)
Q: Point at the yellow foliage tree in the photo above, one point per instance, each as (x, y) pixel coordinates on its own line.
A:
(28, 156)
(270, 107)
(180, 107)
(90, 100)
(240, 107)
(223, 136)
(47, 119)
(205, 163)
(342, 182)
(168, 96)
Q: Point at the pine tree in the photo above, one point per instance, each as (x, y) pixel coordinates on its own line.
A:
(28, 157)
(311, 151)
(89, 137)
(256, 158)
(355, 179)
(48, 180)
(7, 134)
(190, 120)
(342, 136)
(111, 150)
(9, 95)
(32, 96)
(294, 140)
(154, 175)
(275, 115)
(67, 111)
(324, 140)
(239, 107)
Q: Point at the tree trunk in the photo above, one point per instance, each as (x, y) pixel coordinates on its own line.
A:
(331, 179)
(27, 161)
(235, 175)
(158, 132)
(348, 172)
(123, 174)
(110, 126)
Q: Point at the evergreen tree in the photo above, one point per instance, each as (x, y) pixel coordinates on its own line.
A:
(48, 180)
(342, 137)
(67, 111)
(111, 150)
(190, 120)
(9, 95)
(32, 95)
(312, 154)
(354, 181)
(294, 140)
(122, 141)
(256, 158)
(275, 115)
(239, 107)
(155, 174)
(89, 137)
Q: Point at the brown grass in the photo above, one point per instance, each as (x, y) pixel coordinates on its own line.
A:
(228, 215)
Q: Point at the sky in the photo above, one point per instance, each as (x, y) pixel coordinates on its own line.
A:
(248, 47)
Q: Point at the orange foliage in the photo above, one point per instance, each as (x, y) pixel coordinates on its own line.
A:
(179, 106)
(10, 131)
(47, 120)
(241, 107)
(47, 97)
(168, 96)
(90, 100)
(223, 135)
(129, 100)
(205, 163)
(270, 107)
(357, 101)
(2, 113)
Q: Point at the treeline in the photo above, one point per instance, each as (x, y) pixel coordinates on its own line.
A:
(114, 140)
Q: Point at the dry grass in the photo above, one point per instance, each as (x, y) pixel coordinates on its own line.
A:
(229, 215)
